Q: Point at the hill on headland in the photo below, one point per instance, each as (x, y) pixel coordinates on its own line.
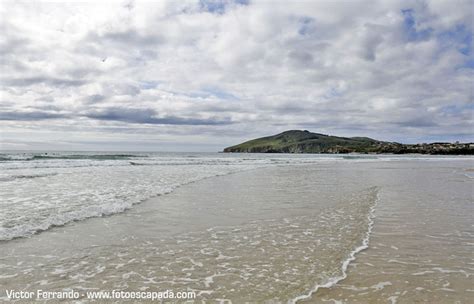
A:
(297, 141)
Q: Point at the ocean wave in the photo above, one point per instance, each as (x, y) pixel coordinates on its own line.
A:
(359, 157)
(10, 230)
(25, 176)
(26, 230)
(123, 162)
(61, 219)
(46, 156)
(85, 156)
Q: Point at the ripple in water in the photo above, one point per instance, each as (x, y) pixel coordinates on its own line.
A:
(270, 260)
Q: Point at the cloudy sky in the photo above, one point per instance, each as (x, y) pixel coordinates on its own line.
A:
(202, 75)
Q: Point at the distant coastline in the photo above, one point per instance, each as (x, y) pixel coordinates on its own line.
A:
(297, 141)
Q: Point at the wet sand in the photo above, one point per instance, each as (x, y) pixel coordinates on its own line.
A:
(421, 249)
(272, 235)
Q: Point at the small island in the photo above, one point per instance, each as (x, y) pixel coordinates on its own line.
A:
(297, 141)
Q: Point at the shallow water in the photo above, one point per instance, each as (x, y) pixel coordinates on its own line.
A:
(422, 246)
(275, 232)
(42, 190)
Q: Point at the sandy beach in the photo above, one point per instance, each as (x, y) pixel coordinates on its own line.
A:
(341, 231)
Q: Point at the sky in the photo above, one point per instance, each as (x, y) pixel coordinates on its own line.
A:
(203, 75)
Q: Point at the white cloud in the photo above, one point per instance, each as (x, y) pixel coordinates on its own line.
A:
(225, 71)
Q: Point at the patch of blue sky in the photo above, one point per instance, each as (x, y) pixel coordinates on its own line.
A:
(219, 6)
(457, 109)
(207, 92)
(469, 64)
(148, 84)
(459, 37)
(333, 93)
(219, 93)
(410, 26)
(305, 25)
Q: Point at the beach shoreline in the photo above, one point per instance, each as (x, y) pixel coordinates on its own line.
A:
(303, 223)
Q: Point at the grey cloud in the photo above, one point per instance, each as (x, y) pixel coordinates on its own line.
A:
(301, 58)
(372, 38)
(319, 65)
(130, 37)
(55, 82)
(11, 44)
(94, 98)
(46, 108)
(416, 122)
(30, 116)
(149, 116)
(13, 40)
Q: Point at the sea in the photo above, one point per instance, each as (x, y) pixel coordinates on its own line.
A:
(239, 228)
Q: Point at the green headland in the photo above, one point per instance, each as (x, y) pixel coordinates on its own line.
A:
(297, 141)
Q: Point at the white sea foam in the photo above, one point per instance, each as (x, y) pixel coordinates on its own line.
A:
(40, 191)
(352, 256)
(393, 299)
(469, 174)
(381, 285)
(36, 199)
